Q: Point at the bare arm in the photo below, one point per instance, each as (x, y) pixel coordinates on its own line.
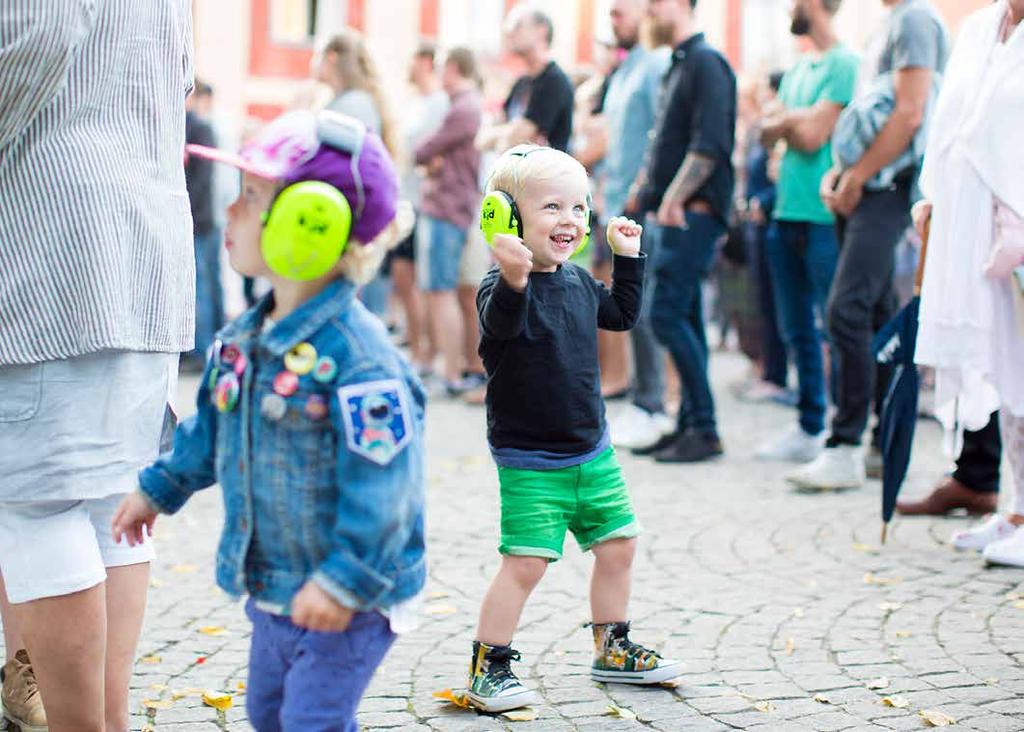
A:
(806, 129)
(692, 174)
(911, 88)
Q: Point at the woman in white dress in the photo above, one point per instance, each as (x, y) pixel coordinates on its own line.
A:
(969, 330)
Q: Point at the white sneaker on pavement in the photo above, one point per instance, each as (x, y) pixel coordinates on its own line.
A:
(1008, 551)
(794, 446)
(994, 528)
(836, 468)
(636, 428)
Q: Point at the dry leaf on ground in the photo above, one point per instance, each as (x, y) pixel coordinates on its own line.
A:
(798, 612)
(150, 659)
(822, 699)
(764, 706)
(156, 583)
(439, 595)
(521, 715)
(903, 634)
(459, 700)
(897, 702)
(440, 609)
(790, 646)
(671, 683)
(866, 548)
(157, 703)
(870, 578)
(184, 568)
(879, 683)
(620, 712)
(1019, 605)
(217, 700)
(890, 607)
(213, 630)
(936, 719)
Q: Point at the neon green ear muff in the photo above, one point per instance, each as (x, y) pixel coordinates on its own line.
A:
(500, 215)
(306, 230)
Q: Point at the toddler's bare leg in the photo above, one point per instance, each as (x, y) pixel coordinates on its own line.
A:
(611, 581)
(506, 597)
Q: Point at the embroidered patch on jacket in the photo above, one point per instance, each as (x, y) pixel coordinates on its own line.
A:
(378, 423)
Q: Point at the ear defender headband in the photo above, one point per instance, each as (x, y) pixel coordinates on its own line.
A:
(306, 230)
(500, 215)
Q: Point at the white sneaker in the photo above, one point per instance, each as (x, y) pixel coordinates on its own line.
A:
(836, 468)
(1008, 551)
(637, 428)
(795, 446)
(994, 528)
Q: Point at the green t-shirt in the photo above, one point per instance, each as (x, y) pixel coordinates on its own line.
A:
(830, 77)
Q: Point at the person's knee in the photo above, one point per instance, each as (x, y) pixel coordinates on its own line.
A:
(615, 555)
(846, 318)
(526, 572)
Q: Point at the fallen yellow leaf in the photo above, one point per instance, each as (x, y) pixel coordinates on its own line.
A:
(671, 684)
(157, 704)
(822, 699)
(1019, 605)
(156, 582)
(873, 579)
(903, 634)
(241, 686)
(620, 712)
(1015, 595)
(798, 612)
(217, 700)
(879, 683)
(790, 646)
(157, 687)
(214, 630)
(936, 719)
(147, 728)
(897, 702)
(459, 700)
(437, 595)
(440, 609)
(991, 680)
(890, 607)
(521, 715)
(184, 568)
(764, 706)
(866, 548)
(150, 659)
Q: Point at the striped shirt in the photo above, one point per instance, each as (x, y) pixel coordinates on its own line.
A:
(95, 227)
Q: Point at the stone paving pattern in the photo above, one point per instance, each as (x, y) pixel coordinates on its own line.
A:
(772, 598)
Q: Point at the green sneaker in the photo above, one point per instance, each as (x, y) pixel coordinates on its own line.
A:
(492, 686)
(617, 659)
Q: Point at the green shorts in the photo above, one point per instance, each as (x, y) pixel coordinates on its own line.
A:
(590, 500)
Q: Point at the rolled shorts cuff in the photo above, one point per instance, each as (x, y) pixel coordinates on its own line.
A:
(626, 527)
(524, 548)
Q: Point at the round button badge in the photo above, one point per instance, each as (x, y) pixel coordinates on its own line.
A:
(325, 370)
(316, 407)
(286, 383)
(225, 395)
(301, 359)
(273, 407)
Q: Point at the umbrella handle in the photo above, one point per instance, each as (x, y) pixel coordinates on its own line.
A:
(919, 275)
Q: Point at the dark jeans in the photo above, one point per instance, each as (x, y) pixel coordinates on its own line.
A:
(209, 291)
(802, 259)
(684, 259)
(862, 300)
(648, 355)
(773, 350)
(310, 680)
(978, 465)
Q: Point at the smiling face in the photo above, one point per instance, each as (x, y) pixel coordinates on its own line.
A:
(555, 216)
(245, 225)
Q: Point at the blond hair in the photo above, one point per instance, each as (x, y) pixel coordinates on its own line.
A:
(361, 261)
(358, 70)
(523, 163)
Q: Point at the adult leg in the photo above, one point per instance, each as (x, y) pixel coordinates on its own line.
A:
(12, 636)
(126, 605)
(862, 279)
(772, 346)
(471, 331)
(1010, 550)
(648, 354)
(403, 277)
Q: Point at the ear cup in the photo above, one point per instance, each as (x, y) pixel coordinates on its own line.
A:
(499, 215)
(586, 232)
(306, 230)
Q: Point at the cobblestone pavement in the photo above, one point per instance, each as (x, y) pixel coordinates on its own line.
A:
(784, 606)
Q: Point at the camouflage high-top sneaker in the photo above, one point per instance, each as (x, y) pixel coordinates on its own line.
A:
(22, 704)
(492, 686)
(617, 659)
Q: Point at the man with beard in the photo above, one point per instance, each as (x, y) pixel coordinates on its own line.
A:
(689, 182)
(801, 246)
(630, 107)
(539, 107)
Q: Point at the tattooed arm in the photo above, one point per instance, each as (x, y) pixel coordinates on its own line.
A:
(693, 173)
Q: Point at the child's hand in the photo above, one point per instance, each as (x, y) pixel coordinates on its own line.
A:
(314, 609)
(133, 513)
(624, 236)
(514, 259)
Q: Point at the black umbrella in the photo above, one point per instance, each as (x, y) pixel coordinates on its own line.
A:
(895, 344)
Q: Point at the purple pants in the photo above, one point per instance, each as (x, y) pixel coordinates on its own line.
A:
(309, 681)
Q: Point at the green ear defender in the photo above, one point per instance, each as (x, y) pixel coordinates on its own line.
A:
(306, 230)
(500, 215)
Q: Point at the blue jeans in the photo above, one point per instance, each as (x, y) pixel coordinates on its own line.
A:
(683, 260)
(439, 245)
(648, 355)
(308, 680)
(802, 259)
(773, 350)
(209, 291)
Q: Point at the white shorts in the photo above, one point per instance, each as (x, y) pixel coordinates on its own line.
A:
(53, 548)
(476, 258)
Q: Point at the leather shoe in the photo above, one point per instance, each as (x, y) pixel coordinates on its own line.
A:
(949, 495)
(661, 444)
(690, 447)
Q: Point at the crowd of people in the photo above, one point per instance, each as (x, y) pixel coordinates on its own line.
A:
(608, 202)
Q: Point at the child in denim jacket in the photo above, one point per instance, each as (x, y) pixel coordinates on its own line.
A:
(312, 424)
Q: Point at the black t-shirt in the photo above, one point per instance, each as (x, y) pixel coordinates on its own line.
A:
(546, 100)
(199, 173)
(540, 351)
(696, 113)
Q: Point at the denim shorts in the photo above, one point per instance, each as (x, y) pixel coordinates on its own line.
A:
(439, 245)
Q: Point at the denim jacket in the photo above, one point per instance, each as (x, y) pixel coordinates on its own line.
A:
(319, 454)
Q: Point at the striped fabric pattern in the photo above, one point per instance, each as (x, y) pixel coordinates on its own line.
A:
(95, 228)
